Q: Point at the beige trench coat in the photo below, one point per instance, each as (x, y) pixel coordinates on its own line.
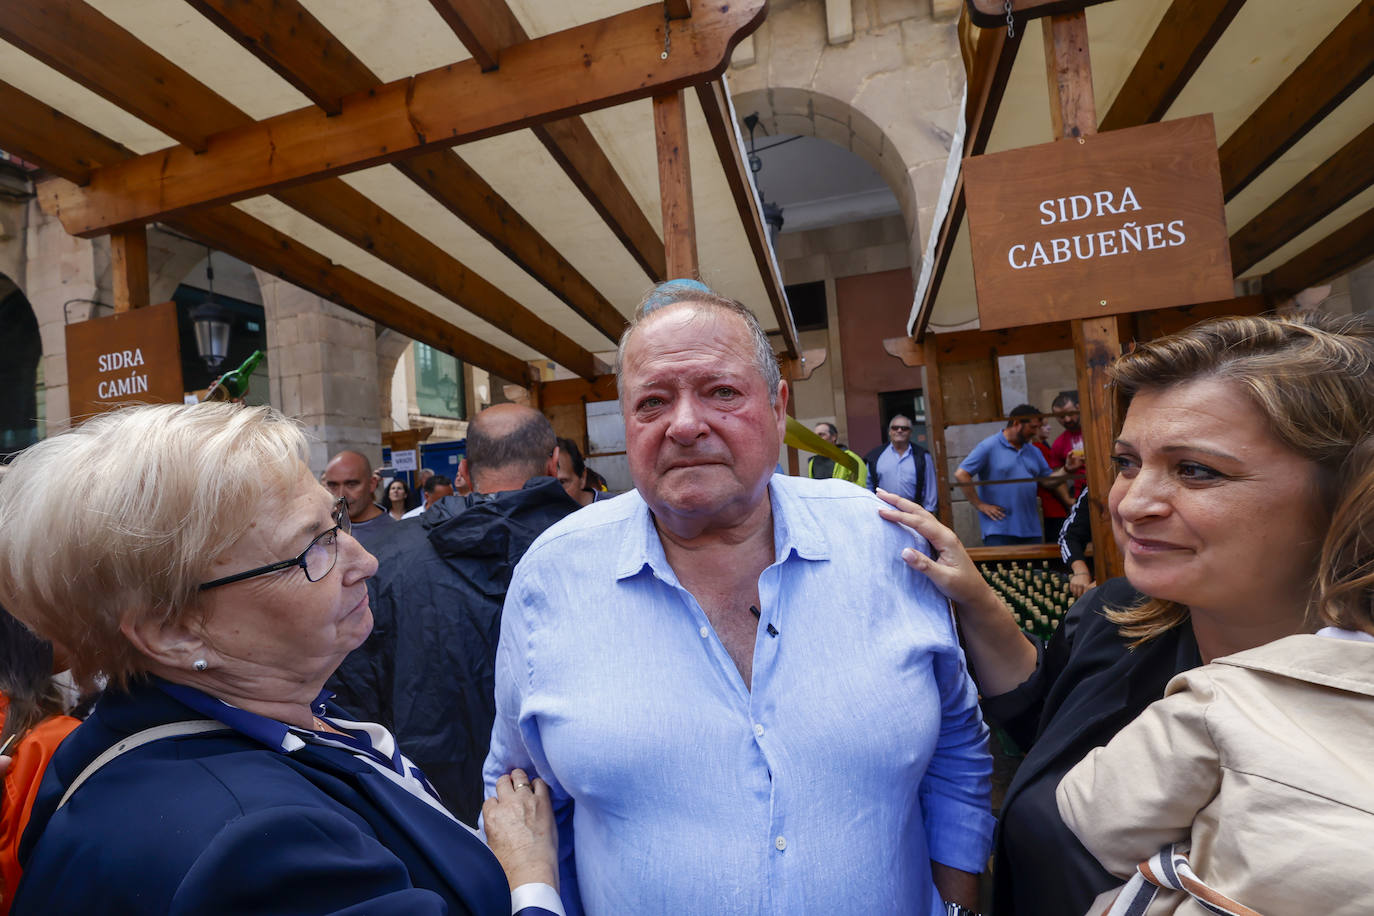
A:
(1262, 762)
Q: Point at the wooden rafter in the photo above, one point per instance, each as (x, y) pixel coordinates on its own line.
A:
(332, 203)
(71, 150)
(286, 37)
(129, 260)
(156, 91)
(1346, 173)
(675, 185)
(720, 117)
(1339, 65)
(987, 83)
(278, 31)
(486, 28)
(1177, 48)
(436, 109)
(1345, 249)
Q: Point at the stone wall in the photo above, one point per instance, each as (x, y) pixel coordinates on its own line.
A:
(323, 369)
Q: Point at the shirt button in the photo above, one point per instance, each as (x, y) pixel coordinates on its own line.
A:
(758, 730)
(704, 632)
(781, 843)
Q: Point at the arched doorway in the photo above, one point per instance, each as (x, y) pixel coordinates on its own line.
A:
(21, 352)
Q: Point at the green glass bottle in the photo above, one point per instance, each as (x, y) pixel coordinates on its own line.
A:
(233, 385)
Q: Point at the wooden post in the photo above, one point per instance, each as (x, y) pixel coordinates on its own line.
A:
(793, 457)
(129, 255)
(1096, 341)
(935, 428)
(675, 185)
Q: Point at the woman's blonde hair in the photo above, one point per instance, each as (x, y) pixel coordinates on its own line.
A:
(1345, 579)
(1310, 374)
(121, 517)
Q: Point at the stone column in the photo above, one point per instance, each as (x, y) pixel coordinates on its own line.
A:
(60, 268)
(322, 365)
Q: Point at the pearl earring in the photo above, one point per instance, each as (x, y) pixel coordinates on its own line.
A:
(200, 664)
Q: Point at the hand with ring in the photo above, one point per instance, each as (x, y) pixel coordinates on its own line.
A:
(521, 831)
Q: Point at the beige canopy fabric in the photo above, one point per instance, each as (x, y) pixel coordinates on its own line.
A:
(48, 57)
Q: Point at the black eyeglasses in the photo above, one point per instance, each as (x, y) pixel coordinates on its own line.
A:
(899, 428)
(316, 560)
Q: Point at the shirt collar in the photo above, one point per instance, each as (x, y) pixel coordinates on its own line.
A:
(277, 735)
(796, 530)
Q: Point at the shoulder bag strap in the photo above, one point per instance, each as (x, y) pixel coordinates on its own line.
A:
(1169, 868)
(138, 739)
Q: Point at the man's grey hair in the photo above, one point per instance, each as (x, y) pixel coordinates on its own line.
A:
(675, 292)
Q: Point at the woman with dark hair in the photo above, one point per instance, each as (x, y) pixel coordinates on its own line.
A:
(1228, 474)
(33, 707)
(397, 498)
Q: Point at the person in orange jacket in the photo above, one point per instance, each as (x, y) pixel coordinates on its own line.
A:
(33, 712)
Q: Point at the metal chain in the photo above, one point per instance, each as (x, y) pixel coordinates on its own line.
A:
(668, 33)
(1011, 23)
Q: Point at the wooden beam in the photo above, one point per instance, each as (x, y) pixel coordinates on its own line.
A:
(1160, 322)
(580, 391)
(992, 14)
(73, 38)
(44, 135)
(935, 426)
(678, 9)
(458, 187)
(1069, 71)
(282, 33)
(333, 203)
(70, 148)
(286, 37)
(1348, 172)
(572, 146)
(992, 63)
(675, 185)
(619, 63)
(720, 117)
(129, 258)
(232, 231)
(1181, 41)
(1096, 341)
(1343, 250)
(1338, 66)
(486, 28)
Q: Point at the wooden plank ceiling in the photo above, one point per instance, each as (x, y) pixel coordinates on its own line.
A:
(1288, 84)
(314, 139)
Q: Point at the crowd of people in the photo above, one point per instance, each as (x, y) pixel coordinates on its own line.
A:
(727, 690)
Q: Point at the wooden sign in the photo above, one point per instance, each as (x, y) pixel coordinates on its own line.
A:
(992, 14)
(1106, 224)
(132, 357)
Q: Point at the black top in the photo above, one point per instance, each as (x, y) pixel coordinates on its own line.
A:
(1087, 687)
(427, 671)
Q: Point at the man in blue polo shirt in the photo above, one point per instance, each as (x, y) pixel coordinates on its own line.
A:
(1009, 513)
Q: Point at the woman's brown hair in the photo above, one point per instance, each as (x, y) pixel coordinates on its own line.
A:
(1310, 374)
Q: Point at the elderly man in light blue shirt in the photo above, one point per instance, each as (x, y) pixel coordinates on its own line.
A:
(736, 710)
(904, 469)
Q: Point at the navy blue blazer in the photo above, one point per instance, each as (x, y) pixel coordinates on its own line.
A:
(221, 823)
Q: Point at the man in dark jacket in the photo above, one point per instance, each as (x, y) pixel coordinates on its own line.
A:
(426, 671)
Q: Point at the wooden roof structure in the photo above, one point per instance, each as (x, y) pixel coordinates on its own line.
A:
(499, 179)
(1288, 85)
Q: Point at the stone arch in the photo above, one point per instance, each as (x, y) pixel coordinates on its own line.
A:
(890, 94)
(21, 353)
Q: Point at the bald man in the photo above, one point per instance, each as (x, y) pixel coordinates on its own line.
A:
(349, 476)
(426, 672)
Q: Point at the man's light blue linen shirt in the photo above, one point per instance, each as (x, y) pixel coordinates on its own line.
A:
(858, 757)
(897, 474)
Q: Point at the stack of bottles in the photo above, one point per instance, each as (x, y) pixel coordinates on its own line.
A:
(1037, 595)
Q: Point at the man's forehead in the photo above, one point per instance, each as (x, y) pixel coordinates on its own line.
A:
(715, 340)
